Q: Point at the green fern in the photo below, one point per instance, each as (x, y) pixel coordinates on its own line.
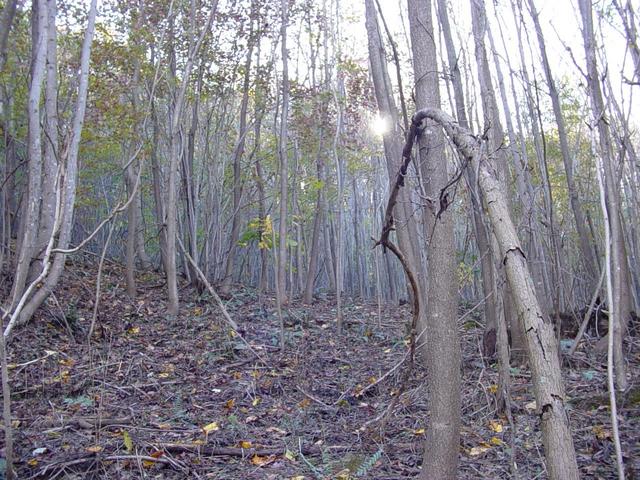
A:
(369, 463)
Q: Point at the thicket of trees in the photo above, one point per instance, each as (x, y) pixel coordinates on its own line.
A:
(231, 141)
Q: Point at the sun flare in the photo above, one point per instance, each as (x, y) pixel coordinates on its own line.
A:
(379, 125)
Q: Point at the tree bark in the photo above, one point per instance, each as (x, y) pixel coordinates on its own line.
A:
(539, 333)
(30, 219)
(443, 357)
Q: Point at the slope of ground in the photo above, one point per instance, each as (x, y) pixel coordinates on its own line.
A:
(152, 397)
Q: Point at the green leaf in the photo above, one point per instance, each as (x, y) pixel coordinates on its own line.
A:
(128, 443)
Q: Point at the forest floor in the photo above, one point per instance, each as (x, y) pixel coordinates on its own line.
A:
(153, 397)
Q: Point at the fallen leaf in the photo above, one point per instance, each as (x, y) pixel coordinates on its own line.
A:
(343, 474)
(260, 461)
(245, 444)
(289, 455)
(229, 404)
(128, 443)
(531, 406)
(600, 432)
(276, 430)
(94, 449)
(304, 403)
(211, 427)
(496, 441)
(33, 462)
(493, 388)
(495, 426)
(256, 401)
(133, 330)
(475, 451)
(419, 431)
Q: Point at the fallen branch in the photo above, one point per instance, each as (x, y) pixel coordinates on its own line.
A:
(216, 297)
(241, 452)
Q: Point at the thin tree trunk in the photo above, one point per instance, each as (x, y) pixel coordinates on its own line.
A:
(621, 307)
(30, 220)
(174, 157)
(576, 207)
(237, 169)
(486, 257)
(443, 357)
(70, 178)
(283, 155)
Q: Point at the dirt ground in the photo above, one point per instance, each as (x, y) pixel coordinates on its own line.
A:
(152, 397)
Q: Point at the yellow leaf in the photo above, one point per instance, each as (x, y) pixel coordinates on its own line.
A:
(94, 449)
(133, 330)
(493, 388)
(372, 380)
(419, 431)
(211, 427)
(151, 463)
(256, 401)
(197, 311)
(496, 441)
(304, 403)
(237, 375)
(258, 460)
(67, 362)
(164, 375)
(289, 455)
(298, 477)
(600, 432)
(343, 474)
(475, 451)
(388, 350)
(245, 444)
(128, 443)
(229, 404)
(33, 462)
(495, 426)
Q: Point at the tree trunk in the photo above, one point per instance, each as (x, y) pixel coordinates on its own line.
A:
(442, 356)
(237, 170)
(482, 241)
(576, 207)
(70, 179)
(621, 308)
(283, 155)
(539, 333)
(30, 219)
